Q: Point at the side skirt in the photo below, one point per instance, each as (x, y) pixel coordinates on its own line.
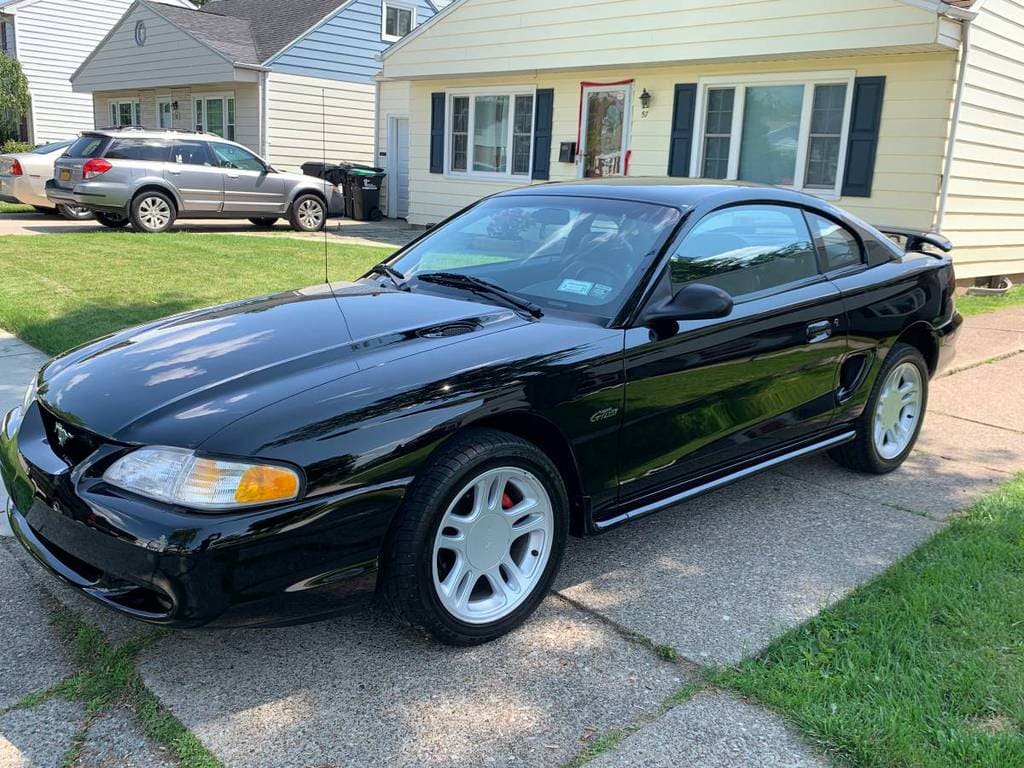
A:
(718, 482)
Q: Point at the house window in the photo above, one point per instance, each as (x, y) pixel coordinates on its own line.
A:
(164, 113)
(124, 113)
(397, 20)
(215, 114)
(7, 38)
(784, 130)
(490, 134)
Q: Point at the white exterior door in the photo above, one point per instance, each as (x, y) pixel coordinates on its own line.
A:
(398, 167)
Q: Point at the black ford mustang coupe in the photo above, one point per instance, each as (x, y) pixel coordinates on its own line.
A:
(552, 360)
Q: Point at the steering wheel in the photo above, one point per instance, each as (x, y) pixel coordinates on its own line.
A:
(615, 248)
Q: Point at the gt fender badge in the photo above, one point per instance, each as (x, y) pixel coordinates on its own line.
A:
(604, 413)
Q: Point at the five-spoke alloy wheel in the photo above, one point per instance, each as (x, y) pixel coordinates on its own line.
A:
(478, 539)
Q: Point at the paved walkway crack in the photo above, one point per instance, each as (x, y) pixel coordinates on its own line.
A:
(979, 423)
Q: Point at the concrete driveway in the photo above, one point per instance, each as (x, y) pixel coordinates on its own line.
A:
(715, 579)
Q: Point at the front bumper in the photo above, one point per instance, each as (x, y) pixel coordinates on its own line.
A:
(173, 567)
(336, 205)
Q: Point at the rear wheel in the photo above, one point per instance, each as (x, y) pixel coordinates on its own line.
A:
(264, 222)
(74, 212)
(153, 212)
(892, 418)
(308, 214)
(479, 539)
(112, 220)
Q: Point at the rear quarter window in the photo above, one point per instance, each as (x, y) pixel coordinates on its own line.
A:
(87, 146)
(150, 150)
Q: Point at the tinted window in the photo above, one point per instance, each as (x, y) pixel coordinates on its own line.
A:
(48, 148)
(87, 146)
(837, 244)
(192, 153)
(151, 150)
(240, 159)
(746, 249)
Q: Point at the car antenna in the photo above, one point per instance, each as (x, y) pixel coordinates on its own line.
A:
(323, 144)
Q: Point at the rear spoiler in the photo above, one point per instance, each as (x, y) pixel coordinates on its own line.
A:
(916, 239)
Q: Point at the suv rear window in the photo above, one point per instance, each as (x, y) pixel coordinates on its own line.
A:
(152, 150)
(87, 146)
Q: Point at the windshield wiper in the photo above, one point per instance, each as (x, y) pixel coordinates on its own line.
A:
(396, 277)
(482, 287)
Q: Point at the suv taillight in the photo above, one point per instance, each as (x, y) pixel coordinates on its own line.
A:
(97, 166)
(16, 169)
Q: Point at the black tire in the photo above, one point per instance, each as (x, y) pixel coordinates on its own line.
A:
(406, 580)
(112, 220)
(862, 454)
(45, 210)
(264, 222)
(152, 211)
(376, 215)
(74, 212)
(297, 216)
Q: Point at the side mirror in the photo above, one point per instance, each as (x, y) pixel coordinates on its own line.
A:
(693, 302)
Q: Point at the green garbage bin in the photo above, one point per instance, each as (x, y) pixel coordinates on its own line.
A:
(362, 187)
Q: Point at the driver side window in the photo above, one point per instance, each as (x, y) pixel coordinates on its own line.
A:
(746, 249)
(230, 156)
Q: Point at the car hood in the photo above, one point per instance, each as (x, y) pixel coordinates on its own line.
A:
(180, 380)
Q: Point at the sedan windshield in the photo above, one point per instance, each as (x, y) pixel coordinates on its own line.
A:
(573, 253)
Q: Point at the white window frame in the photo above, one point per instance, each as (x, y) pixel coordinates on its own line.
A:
(160, 102)
(113, 104)
(385, 4)
(740, 83)
(472, 93)
(225, 95)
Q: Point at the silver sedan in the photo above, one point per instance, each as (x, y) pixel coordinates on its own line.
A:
(23, 178)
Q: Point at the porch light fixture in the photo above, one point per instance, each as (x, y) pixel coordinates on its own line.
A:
(645, 100)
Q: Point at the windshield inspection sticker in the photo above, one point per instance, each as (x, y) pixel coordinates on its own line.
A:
(600, 291)
(581, 287)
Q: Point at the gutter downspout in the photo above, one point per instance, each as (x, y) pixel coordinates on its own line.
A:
(965, 48)
(265, 115)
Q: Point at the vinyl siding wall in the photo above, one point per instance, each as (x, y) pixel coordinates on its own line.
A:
(495, 36)
(985, 208)
(170, 57)
(346, 45)
(247, 106)
(313, 117)
(915, 122)
(53, 38)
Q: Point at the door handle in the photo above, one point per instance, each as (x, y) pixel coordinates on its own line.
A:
(175, 173)
(232, 175)
(820, 330)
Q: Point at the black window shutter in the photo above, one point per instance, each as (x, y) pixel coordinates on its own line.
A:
(862, 145)
(681, 145)
(437, 105)
(543, 111)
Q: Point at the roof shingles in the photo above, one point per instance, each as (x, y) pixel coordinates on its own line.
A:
(273, 24)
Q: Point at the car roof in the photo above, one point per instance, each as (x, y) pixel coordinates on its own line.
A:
(675, 192)
(145, 133)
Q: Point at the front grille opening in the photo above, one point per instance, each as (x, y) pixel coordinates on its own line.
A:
(68, 441)
(137, 598)
(82, 568)
(448, 329)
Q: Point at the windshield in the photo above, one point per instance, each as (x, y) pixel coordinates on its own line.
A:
(48, 148)
(573, 253)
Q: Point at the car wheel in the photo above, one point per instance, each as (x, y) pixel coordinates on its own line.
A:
(264, 222)
(112, 220)
(74, 212)
(152, 212)
(892, 418)
(308, 214)
(478, 539)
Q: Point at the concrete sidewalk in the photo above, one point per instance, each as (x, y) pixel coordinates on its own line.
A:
(715, 579)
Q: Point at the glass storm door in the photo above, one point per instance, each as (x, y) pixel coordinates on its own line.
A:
(605, 134)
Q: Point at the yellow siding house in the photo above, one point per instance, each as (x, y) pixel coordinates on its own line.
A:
(906, 112)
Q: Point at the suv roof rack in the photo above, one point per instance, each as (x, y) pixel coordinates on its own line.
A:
(140, 128)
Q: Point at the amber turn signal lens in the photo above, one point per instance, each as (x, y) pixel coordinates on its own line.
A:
(265, 484)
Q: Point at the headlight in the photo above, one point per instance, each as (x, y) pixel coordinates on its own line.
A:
(18, 414)
(180, 477)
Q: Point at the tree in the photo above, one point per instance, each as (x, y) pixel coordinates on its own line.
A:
(15, 101)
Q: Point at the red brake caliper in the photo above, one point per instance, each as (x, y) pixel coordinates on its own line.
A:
(506, 501)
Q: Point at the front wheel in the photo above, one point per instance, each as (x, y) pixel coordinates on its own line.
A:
(74, 212)
(153, 212)
(479, 538)
(112, 220)
(892, 418)
(308, 214)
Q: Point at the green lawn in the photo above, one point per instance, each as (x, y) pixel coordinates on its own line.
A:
(976, 305)
(15, 208)
(58, 291)
(922, 667)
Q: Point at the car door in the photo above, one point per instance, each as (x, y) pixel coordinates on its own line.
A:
(703, 395)
(250, 187)
(194, 172)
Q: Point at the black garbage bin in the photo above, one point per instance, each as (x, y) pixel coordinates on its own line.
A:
(362, 187)
(317, 169)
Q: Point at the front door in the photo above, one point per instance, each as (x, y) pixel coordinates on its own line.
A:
(249, 186)
(706, 394)
(605, 130)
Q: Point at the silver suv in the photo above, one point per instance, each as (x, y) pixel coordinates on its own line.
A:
(152, 178)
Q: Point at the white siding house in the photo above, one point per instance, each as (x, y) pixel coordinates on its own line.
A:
(51, 38)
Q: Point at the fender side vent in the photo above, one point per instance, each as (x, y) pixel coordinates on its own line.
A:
(450, 329)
